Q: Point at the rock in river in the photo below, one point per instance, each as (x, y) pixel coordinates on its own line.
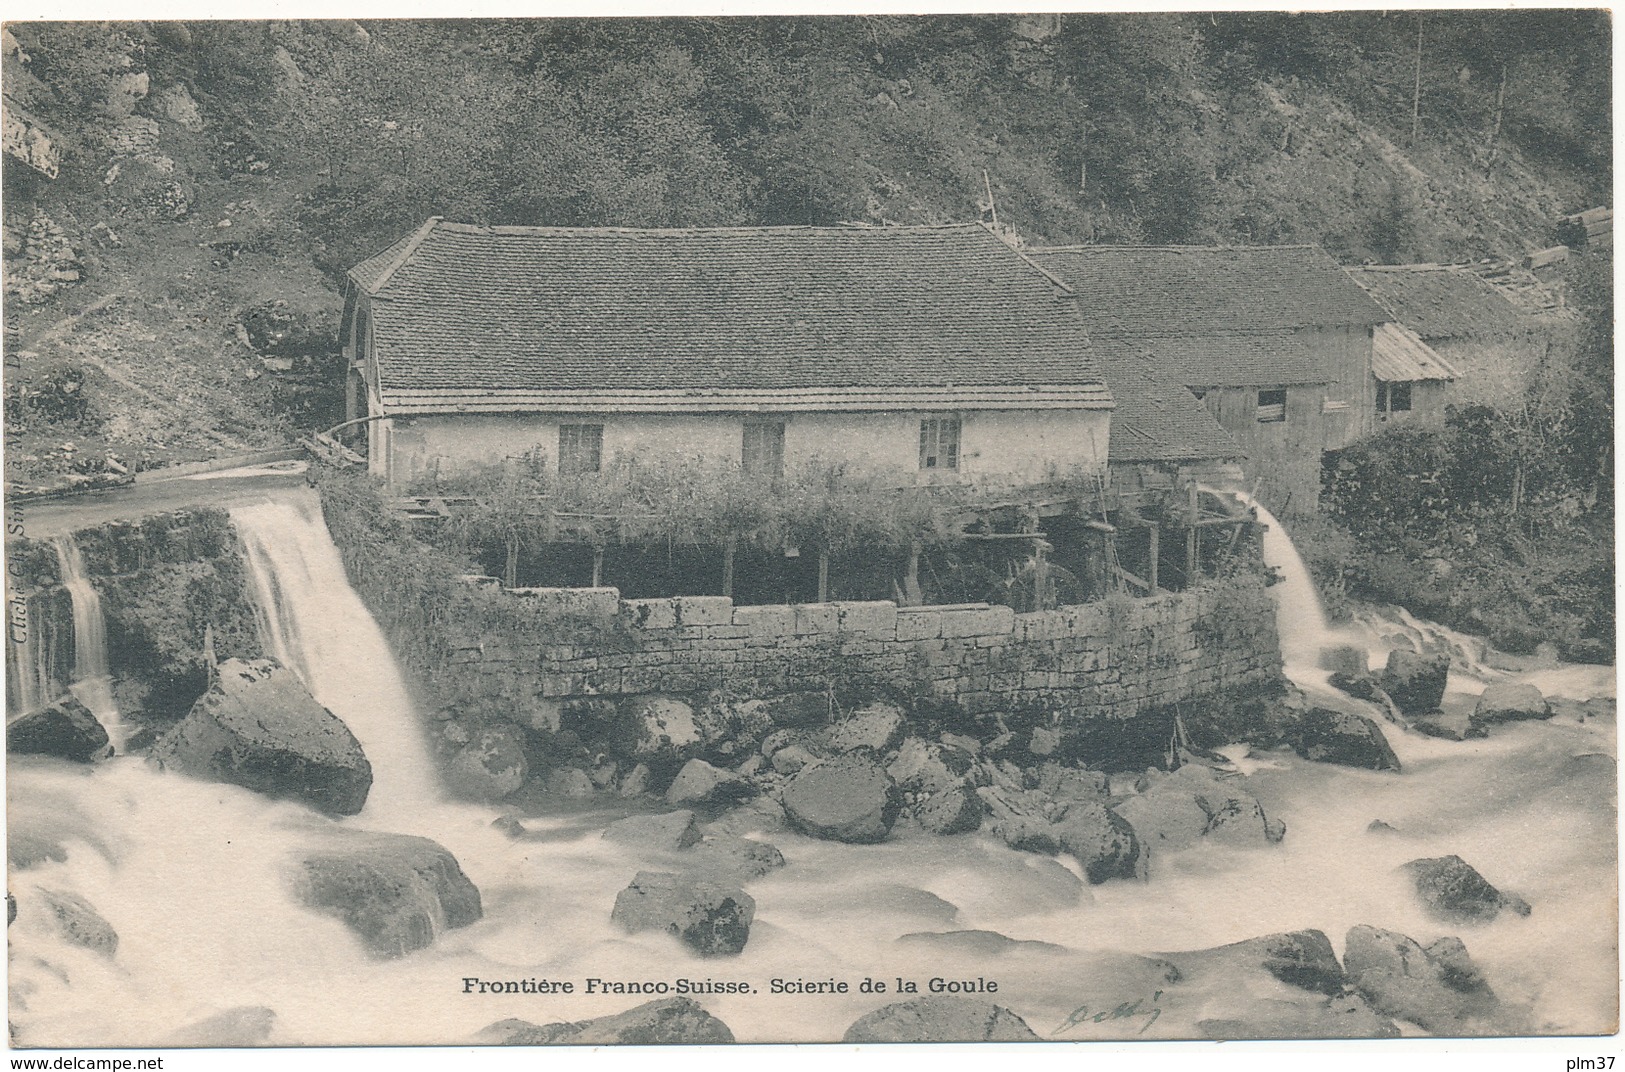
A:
(667, 1022)
(1341, 737)
(711, 918)
(490, 766)
(396, 892)
(941, 1019)
(65, 729)
(849, 798)
(1510, 703)
(1439, 988)
(257, 727)
(1452, 889)
(1415, 682)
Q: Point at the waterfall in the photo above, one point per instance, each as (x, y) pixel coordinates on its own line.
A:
(1299, 617)
(314, 623)
(92, 681)
(30, 655)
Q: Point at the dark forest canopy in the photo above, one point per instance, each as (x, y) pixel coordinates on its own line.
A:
(1263, 127)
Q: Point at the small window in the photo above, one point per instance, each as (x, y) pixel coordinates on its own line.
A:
(1393, 398)
(762, 453)
(581, 448)
(1199, 392)
(1271, 406)
(939, 443)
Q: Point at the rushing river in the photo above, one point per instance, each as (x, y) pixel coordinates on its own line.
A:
(191, 874)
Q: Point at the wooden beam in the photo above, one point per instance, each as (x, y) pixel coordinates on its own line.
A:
(728, 566)
(1156, 554)
(597, 567)
(823, 576)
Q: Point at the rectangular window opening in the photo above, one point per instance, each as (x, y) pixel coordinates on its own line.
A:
(762, 452)
(1271, 406)
(581, 448)
(939, 443)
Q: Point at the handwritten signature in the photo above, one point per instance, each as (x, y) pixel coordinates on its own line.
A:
(1128, 1010)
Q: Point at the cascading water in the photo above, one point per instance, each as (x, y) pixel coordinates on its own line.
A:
(1299, 617)
(193, 876)
(92, 681)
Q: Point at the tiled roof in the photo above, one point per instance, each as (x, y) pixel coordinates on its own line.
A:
(1398, 354)
(1270, 359)
(1157, 419)
(1440, 301)
(527, 309)
(1179, 290)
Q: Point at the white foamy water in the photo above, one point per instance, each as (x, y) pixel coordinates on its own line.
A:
(92, 681)
(193, 877)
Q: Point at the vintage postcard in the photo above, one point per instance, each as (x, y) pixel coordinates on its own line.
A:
(1011, 528)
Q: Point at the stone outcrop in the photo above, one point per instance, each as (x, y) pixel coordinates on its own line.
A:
(663, 833)
(1301, 959)
(711, 918)
(660, 725)
(699, 784)
(954, 810)
(1177, 811)
(257, 727)
(940, 1019)
(878, 728)
(849, 798)
(1101, 841)
(1437, 988)
(1452, 889)
(667, 1022)
(491, 766)
(1342, 737)
(66, 730)
(1415, 682)
(395, 892)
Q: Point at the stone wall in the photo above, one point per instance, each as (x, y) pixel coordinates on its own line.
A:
(1113, 659)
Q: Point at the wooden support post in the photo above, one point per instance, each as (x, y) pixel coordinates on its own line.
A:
(728, 566)
(1191, 564)
(823, 576)
(1041, 592)
(597, 567)
(911, 579)
(1156, 554)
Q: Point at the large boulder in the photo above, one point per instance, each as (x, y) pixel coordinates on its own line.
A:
(849, 798)
(490, 766)
(927, 767)
(259, 728)
(1439, 988)
(1301, 959)
(1447, 725)
(1415, 682)
(660, 725)
(711, 918)
(77, 921)
(940, 1019)
(1510, 703)
(669, 832)
(1451, 889)
(699, 784)
(954, 810)
(1189, 806)
(1101, 841)
(1023, 819)
(395, 892)
(66, 729)
(729, 859)
(879, 728)
(667, 1022)
(1342, 737)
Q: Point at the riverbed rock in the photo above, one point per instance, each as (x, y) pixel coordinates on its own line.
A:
(259, 728)
(1067, 785)
(662, 833)
(667, 1022)
(954, 810)
(66, 729)
(727, 858)
(77, 921)
(940, 1019)
(792, 758)
(492, 764)
(1301, 959)
(1101, 841)
(974, 943)
(246, 1025)
(1452, 889)
(1415, 682)
(711, 918)
(928, 767)
(1021, 818)
(1189, 806)
(395, 892)
(1447, 725)
(1346, 659)
(1510, 703)
(1342, 737)
(1439, 988)
(849, 798)
(877, 727)
(660, 725)
(700, 784)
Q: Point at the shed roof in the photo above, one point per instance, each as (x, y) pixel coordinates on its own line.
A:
(1398, 355)
(1439, 301)
(526, 312)
(1157, 419)
(1174, 290)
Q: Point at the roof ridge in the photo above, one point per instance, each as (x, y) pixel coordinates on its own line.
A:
(406, 252)
(847, 228)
